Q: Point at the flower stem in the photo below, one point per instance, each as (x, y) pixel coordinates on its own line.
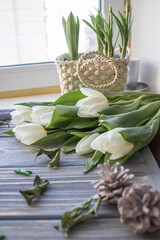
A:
(121, 103)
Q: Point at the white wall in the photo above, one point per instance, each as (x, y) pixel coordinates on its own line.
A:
(145, 42)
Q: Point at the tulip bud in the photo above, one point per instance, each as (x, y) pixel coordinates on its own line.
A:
(29, 133)
(21, 114)
(112, 142)
(83, 146)
(42, 114)
(94, 103)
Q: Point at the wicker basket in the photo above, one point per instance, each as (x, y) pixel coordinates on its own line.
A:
(100, 73)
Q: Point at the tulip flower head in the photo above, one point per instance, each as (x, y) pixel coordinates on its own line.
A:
(42, 114)
(112, 142)
(83, 146)
(94, 103)
(21, 114)
(29, 133)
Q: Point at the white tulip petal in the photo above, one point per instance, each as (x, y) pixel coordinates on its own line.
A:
(42, 109)
(21, 114)
(83, 113)
(112, 142)
(46, 118)
(94, 102)
(91, 93)
(98, 107)
(123, 151)
(85, 102)
(36, 118)
(83, 146)
(99, 144)
(42, 114)
(29, 133)
(22, 108)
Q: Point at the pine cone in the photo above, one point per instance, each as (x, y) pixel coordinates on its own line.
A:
(139, 208)
(112, 182)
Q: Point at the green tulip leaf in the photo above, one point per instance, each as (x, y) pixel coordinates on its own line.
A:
(78, 214)
(93, 161)
(10, 132)
(118, 109)
(53, 154)
(130, 119)
(82, 123)
(4, 123)
(69, 99)
(38, 188)
(33, 104)
(55, 137)
(70, 144)
(62, 116)
(99, 130)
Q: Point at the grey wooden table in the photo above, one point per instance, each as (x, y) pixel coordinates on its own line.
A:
(68, 187)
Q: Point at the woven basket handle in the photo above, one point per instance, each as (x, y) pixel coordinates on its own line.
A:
(101, 58)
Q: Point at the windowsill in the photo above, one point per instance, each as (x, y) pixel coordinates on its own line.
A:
(30, 92)
(8, 103)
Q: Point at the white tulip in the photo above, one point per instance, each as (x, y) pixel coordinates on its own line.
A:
(42, 114)
(83, 146)
(21, 114)
(112, 142)
(94, 103)
(29, 133)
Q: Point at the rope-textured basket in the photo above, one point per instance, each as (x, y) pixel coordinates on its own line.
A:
(100, 73)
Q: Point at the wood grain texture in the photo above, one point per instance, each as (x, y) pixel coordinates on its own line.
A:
(97, 229)
(68, 187)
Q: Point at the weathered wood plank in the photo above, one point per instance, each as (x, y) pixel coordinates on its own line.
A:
(97, 229)
(5, 114)
(68, 187)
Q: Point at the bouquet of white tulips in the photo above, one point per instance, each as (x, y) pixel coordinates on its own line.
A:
(111, 126)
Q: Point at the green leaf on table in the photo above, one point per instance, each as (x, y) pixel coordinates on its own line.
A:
(22, 171)
(81, 123)
(130, 119)
(10, 132)
(69, 99)
(38, 188)
(93, 161)
(78, 214)
(100, 130)
(62, 116)
(53, 154)
(4, 123)
(52, 138)
(70, 144)
(33, 104)
(2, 236)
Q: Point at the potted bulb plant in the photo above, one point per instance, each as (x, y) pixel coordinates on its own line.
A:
(66, 63)
(105, 31)
(103, 72)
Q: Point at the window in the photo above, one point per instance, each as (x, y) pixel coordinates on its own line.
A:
(31, 36)
(31, 31)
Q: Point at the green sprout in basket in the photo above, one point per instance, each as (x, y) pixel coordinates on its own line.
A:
(124, 24)
(104, 32)
(71, 30)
